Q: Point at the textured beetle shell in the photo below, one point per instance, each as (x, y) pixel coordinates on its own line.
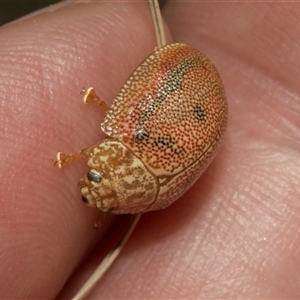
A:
(172, 114)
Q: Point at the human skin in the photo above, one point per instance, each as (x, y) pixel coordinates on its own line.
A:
(234, 234)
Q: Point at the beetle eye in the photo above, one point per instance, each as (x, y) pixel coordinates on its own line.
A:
(84, 199)
(92, 176)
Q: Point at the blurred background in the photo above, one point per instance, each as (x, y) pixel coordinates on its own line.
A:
(13, 9)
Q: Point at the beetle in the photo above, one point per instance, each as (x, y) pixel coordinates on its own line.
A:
(163, 130)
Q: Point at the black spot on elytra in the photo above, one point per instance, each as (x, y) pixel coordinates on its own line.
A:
(165, 142)
(141, 135)
(199, 113)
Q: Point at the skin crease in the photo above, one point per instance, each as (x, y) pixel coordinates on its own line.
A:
(236, 233)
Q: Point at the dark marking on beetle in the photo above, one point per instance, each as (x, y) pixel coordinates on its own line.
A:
(199, 113)
(141, 135)
(165, 142)
(84, 199)
(92, 176)
(170, 83)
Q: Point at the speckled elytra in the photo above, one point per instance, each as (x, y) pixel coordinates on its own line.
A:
(163, 129)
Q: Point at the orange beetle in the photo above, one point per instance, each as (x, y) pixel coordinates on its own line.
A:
(164, 128)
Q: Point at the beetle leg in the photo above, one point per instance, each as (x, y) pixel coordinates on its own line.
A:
(90, 96)
(99, 220)
(65, 159)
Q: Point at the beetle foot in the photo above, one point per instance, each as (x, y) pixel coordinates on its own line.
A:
(65, 159)
(99, 220)
(90, 97)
